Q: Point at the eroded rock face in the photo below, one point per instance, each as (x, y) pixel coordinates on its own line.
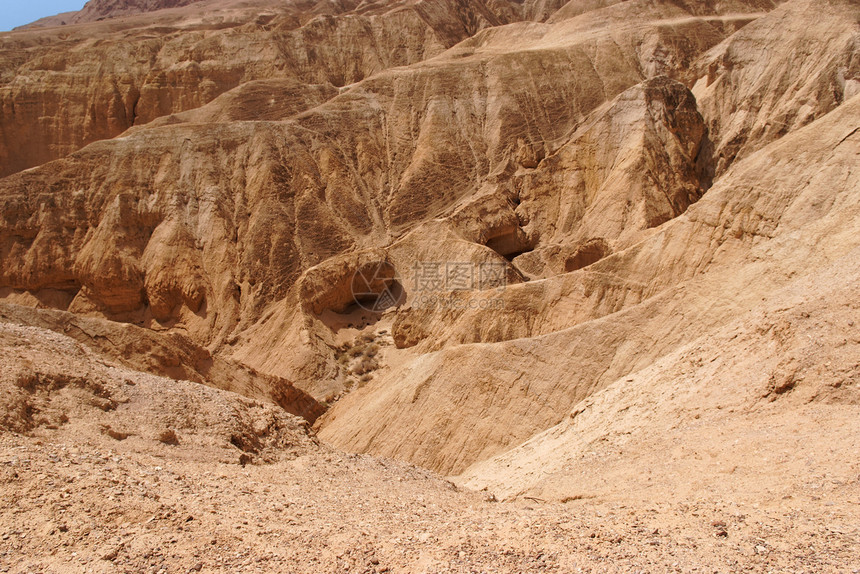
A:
(100, 9)
(698, 274)
(630, 168)
(274, 159)
(626, 170)
(751, 97)
(63, 90)
(163, 233)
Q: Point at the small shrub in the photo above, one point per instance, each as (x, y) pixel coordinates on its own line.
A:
(365, 366)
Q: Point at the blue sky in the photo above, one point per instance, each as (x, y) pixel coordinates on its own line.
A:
(17, 12)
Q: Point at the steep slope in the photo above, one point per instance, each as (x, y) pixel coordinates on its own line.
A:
(100, 9)
(626, 310)
(755, 232)
(751, 96)
(50, 381)
(171, 355)
(542, 308)
(561, 153)
(66, 87)
(165, 237)
(746, 401)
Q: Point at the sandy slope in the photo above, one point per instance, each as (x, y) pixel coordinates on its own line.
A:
(76, 499)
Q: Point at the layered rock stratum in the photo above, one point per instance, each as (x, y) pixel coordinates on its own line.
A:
(592, 259)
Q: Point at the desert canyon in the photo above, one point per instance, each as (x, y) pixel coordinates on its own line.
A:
(431, 286)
